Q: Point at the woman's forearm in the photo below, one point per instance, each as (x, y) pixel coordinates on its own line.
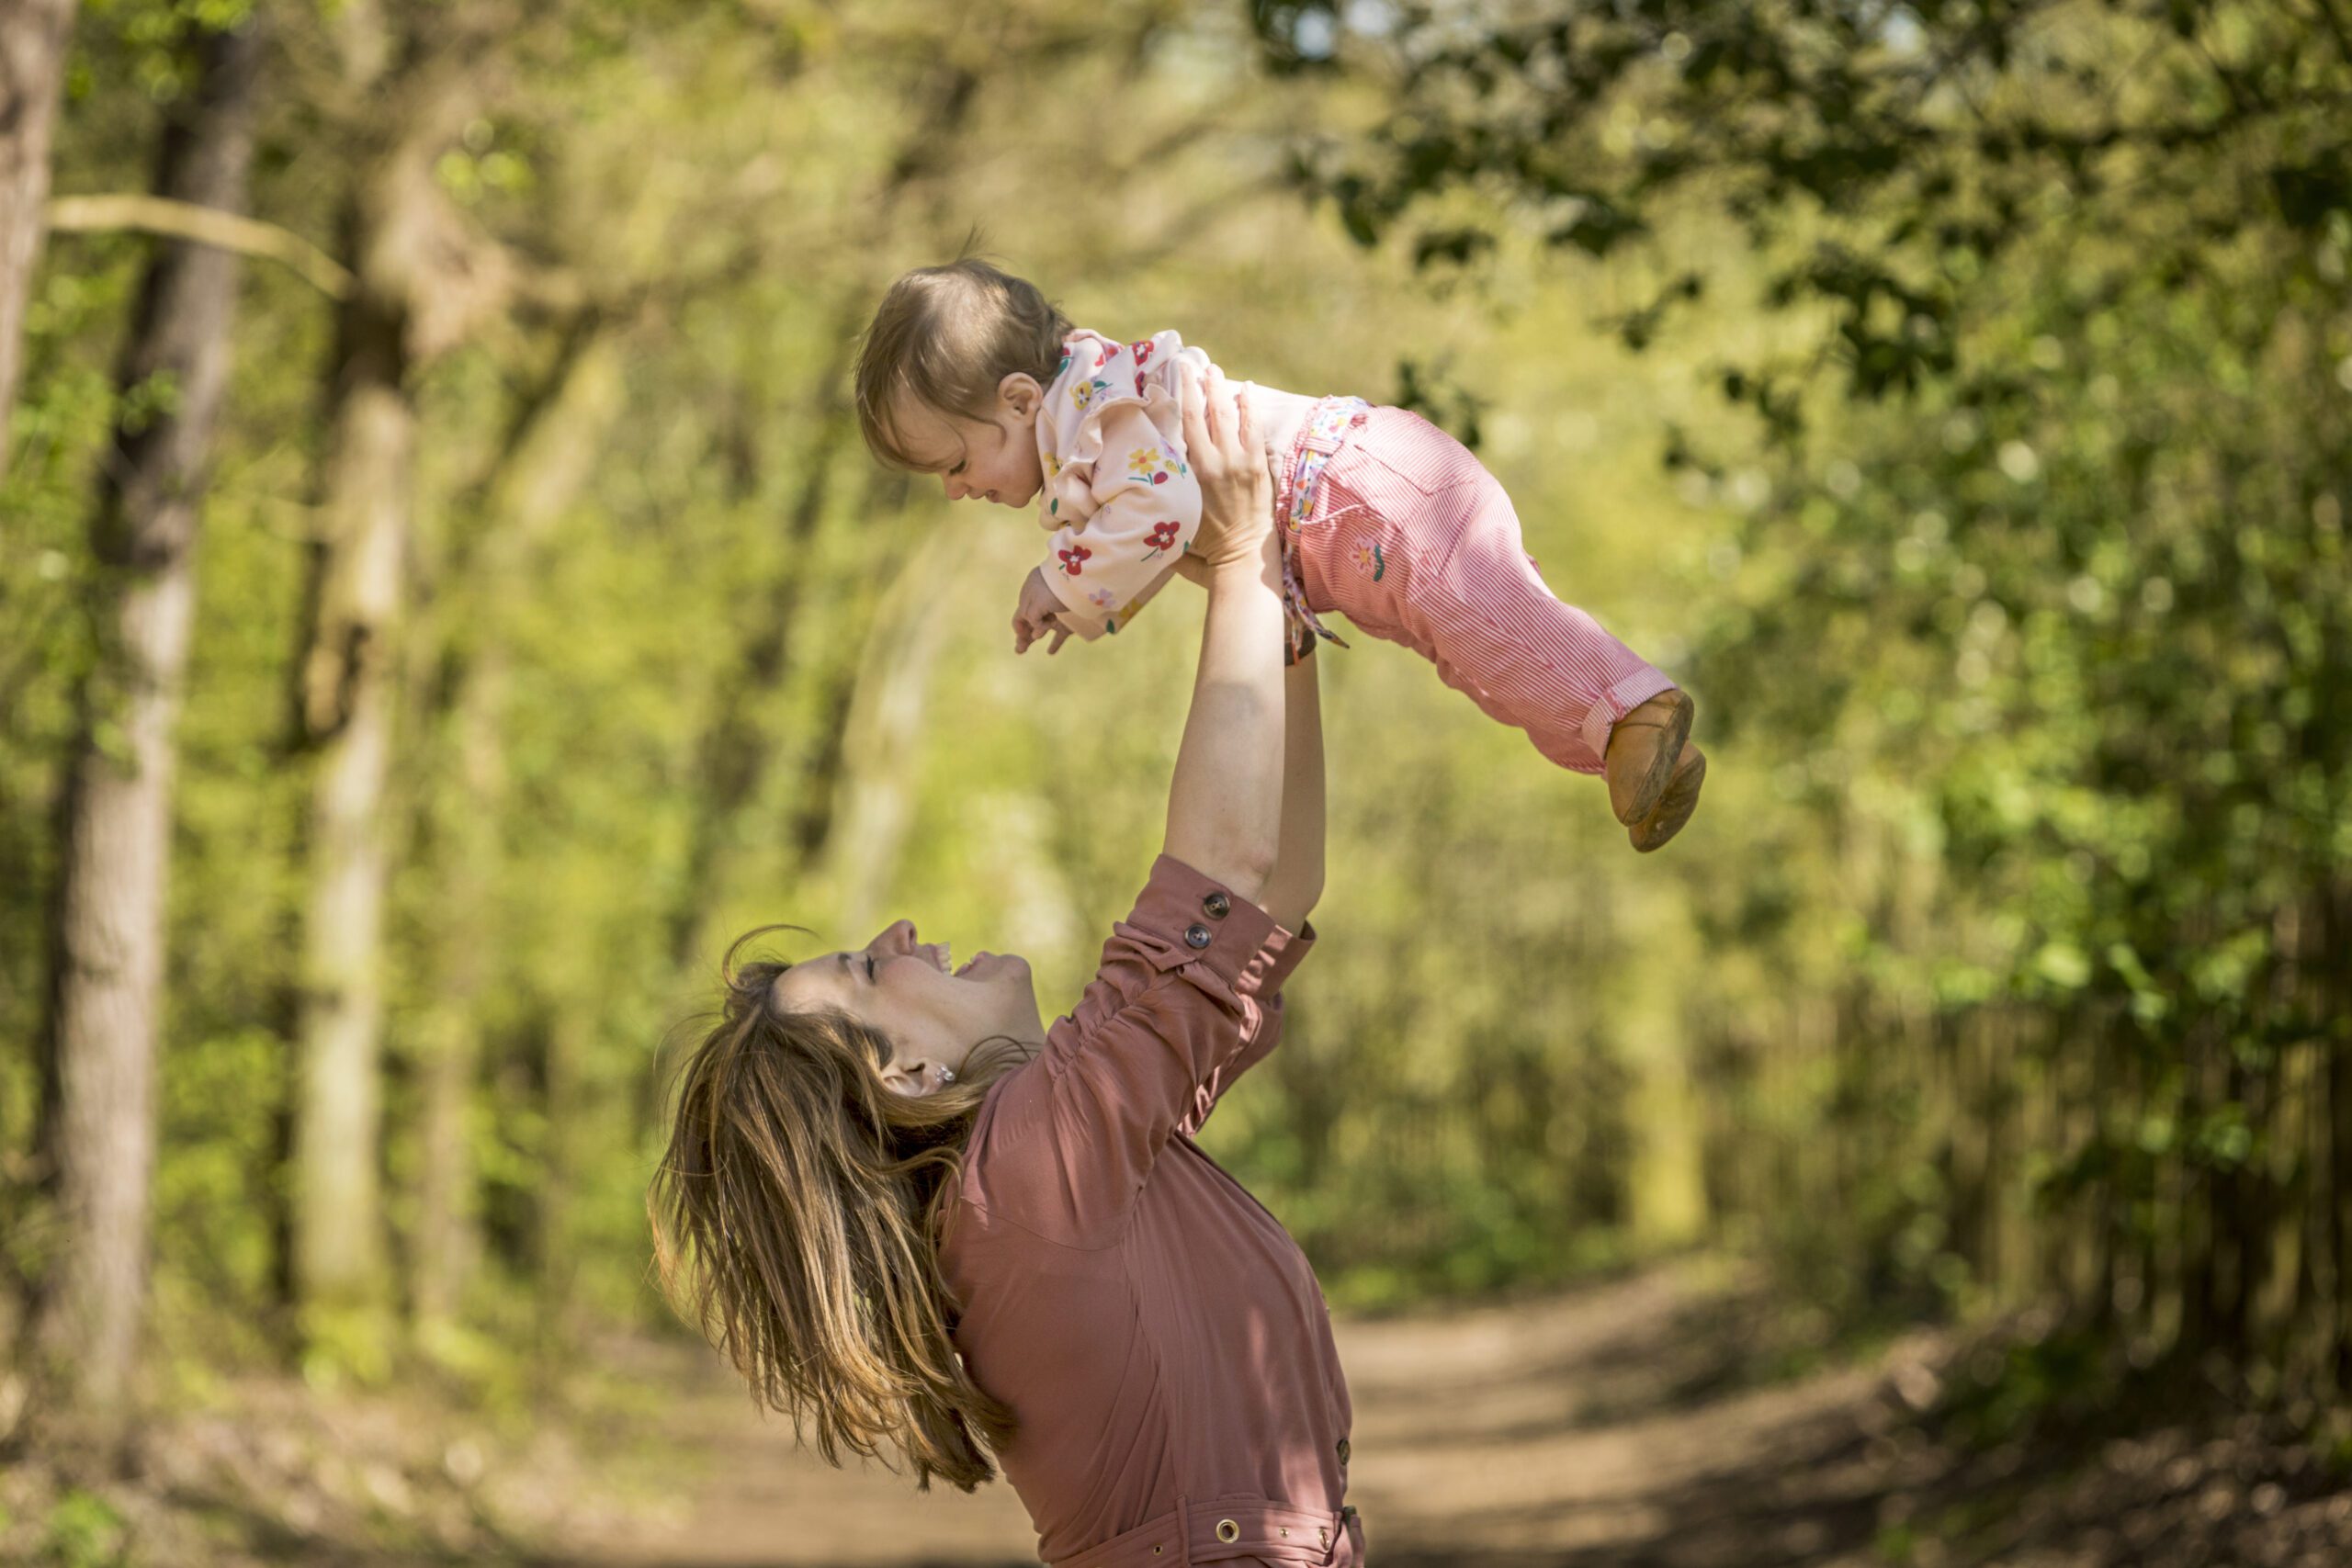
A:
(1297, 879)
(1224, 803)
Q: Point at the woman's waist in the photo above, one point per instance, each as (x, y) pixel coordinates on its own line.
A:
(1254, 1528)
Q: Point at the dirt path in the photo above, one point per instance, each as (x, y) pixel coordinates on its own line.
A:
(1594, 1428)
(1625, 1427)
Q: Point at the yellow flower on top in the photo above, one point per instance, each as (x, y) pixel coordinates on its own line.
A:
(1143, 459)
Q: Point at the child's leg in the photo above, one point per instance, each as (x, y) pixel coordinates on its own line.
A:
(1440, 566)
(1497, 633)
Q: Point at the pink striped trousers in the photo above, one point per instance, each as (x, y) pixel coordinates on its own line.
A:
(1413, 541)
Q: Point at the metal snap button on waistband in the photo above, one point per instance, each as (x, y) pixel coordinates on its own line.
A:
(1227, 1531)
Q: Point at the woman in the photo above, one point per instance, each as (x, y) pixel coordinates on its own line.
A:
(915, 1217)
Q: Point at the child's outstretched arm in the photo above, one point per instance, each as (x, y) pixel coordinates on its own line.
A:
(1038, 614)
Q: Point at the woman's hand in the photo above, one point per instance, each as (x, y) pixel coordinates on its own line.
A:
(1228, 457)
(1224, 802)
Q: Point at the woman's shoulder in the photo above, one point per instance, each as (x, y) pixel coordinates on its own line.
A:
(1011, 1187)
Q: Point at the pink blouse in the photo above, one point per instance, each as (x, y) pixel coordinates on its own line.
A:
(1159, 1337)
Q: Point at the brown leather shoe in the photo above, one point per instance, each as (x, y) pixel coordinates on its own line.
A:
(1643, 749)
(1675, 802)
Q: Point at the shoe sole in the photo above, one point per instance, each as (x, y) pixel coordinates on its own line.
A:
(1670, 752)
(1674, 807)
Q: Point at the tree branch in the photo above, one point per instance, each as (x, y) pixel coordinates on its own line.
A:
(202, 226)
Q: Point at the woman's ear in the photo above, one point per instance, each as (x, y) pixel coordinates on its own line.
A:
(914, 1078)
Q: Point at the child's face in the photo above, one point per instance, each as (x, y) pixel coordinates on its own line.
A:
(980, 459)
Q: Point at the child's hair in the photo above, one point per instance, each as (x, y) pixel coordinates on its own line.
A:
(795, 1221)
(948, 335)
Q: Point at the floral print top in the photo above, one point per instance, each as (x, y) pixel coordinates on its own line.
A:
(1119, 497)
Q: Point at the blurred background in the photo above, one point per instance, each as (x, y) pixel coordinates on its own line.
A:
(444, 598)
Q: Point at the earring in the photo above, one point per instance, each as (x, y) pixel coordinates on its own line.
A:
(946, 1077)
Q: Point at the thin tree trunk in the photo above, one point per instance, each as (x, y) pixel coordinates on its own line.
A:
(882, 725)
(735, 751)
(548, 457)
(2337, 1187)
(449, 1039)
(108, 944)
(33, 35)
(346, 706)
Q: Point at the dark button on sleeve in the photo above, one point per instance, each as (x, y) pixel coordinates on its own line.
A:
(1196, 936)
(1218, 905)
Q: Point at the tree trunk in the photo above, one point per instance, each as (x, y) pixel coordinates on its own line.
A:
(2338, 1061)
(883, 726)
(33, 35)
(108, 944)
(347, 704)
(345, 707)
(446, 1242)
(732, 757)
(549, 456)
(734, 753)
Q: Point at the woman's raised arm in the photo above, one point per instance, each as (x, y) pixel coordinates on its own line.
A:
(1224, 802)
(1297, 880)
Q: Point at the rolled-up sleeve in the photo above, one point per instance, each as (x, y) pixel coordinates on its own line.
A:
(1262, 1030)
(1186, 999)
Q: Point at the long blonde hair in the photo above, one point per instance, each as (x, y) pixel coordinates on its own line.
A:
(795, 1221)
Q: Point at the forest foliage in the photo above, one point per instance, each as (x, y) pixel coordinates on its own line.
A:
(1958, 396)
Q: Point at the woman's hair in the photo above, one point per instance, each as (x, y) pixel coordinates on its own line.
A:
(795, 1220)
(948, 335)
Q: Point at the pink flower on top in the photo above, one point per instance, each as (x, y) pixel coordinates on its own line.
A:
(1074, 560)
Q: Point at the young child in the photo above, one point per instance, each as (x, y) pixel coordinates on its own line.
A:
(973, 374)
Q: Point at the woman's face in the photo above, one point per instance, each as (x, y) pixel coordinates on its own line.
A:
(990, 459)
(933, 1015)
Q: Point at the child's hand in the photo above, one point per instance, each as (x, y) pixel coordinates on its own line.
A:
(1038, 614)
